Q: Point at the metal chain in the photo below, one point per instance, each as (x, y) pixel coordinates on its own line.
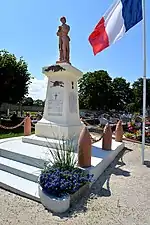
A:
(11, 128)
(86, 123)
(32, 124)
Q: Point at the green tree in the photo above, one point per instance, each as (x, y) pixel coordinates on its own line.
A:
(132, 107)
(14, 78)
(38, 102)
(95, 90)
(122, 93)
(28, 101)
(138, 92)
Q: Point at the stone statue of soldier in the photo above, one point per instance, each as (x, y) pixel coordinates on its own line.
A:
(64, 48)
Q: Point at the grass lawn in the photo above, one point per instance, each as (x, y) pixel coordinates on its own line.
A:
(34, 114)
(16, 132)
(10, 135)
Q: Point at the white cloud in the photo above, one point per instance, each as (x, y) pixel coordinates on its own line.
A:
(37, 89)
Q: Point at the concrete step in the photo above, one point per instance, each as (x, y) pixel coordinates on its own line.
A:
(19, 169)
(18, 185)
(19, 160)
(15, 149)
(47, 142)
(39, 163)
(42, 141)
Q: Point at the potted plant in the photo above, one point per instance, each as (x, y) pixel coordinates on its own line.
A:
(61, 178)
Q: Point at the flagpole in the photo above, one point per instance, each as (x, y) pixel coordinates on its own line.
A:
(144, 80)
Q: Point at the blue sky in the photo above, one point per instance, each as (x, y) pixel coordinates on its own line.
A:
(28, 29)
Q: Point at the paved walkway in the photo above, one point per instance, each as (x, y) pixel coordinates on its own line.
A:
(120, 196)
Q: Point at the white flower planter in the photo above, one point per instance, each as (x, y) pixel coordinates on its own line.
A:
(54, 204)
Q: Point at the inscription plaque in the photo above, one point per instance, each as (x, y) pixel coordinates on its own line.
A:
(55, 104)
(73, 102)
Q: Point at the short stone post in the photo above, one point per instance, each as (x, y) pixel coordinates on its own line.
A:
(119, 131)
(27, 125)
(107, 138)
(84, 148)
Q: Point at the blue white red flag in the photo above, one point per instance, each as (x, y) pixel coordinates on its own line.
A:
(121, 16)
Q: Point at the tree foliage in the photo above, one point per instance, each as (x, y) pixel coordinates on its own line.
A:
(138, 92)
(38, 102)
(122, 93)
(14, 78)
(97, 90)
(28, 101)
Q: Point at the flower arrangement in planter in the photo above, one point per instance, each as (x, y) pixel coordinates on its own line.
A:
(60, 179)
(133, 127)
(135, 133)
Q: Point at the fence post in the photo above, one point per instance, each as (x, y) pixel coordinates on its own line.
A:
(119, 131)
(27, 125)
(84, 148)
(107, 137)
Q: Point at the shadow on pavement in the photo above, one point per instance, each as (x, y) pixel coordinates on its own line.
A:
(97, 189)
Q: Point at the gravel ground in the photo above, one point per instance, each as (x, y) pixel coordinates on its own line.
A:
(120, 196)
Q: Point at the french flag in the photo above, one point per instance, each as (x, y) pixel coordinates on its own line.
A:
(121, 16)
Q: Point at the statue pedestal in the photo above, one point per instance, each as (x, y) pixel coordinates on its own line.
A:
(61, 117)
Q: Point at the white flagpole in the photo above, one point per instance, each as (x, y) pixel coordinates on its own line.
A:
(144, 79)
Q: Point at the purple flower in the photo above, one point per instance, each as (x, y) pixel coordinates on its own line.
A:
(57, 181)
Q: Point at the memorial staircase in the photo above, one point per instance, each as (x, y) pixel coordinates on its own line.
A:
(21, 164)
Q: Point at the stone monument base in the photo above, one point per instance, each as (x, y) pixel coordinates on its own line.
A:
(21, 164)
(61, 118)
(52, 130)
